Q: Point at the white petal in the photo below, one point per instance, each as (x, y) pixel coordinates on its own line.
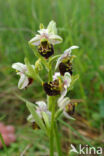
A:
(68, 116)
(55, 39)
(43, 31)
(35, 40)
(69, 49)
(42, 105)
(30, 118)
(67, 80)
(56, 76)
(23, 82)
(19, 67)
(63, 102)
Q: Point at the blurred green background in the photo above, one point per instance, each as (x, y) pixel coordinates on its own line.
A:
(79, 23)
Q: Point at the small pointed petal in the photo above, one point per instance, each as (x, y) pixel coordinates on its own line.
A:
(35, 40)
(58, 62)
(23, 82)
(56, 76)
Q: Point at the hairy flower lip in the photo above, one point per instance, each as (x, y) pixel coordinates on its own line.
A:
(67, 53)
(51, 88)
(65, 67)
(47, 51)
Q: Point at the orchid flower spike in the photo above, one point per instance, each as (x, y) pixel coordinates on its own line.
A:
(40, 108)
(65, 61)
(46, 39)
(67, 107)
(22, 71)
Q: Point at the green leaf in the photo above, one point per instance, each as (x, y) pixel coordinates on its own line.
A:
(58, 113)
(46, 120)
(25, 100)
(38, 120)
(3, 143)
(75, 131)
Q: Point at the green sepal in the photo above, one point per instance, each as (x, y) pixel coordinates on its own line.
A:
(74, 79)
(54, 58)
(52, 27)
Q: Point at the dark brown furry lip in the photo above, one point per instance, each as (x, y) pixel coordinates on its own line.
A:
(46, 51)
(70, 108)
(65, 67)
(35, 126)
(52, 88)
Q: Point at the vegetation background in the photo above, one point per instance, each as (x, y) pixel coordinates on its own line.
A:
(79, 23)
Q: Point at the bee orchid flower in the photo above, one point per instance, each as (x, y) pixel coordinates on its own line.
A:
(40, 108)
(46, 39)
(65, 61)
(50, 34)
(67, 107)
(65, 82)
(22, 71)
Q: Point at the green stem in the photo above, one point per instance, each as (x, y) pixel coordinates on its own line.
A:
(3, 143)
(57, 137)
(52, 127)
